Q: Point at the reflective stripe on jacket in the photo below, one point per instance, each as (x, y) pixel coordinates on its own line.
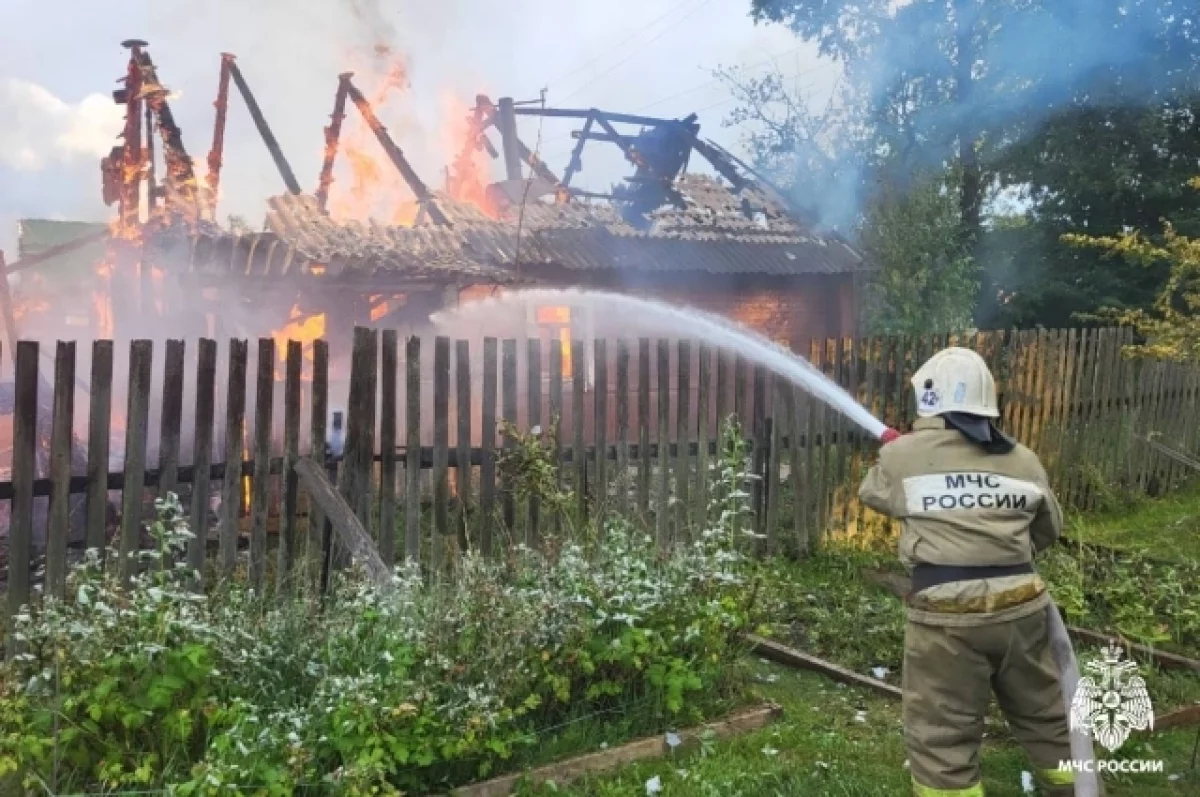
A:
(962, 506)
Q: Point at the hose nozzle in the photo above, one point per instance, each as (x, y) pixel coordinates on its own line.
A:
(889, 434)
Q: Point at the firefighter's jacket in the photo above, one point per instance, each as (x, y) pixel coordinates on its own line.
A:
(962, 506)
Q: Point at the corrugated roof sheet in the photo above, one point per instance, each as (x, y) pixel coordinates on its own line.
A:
(717, 232)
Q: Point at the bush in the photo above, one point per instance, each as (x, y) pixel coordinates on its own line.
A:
(425, 686)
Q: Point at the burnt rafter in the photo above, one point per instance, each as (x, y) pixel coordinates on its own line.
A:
(502, 116)
(333, 134)
(396, 155)
(264, 130)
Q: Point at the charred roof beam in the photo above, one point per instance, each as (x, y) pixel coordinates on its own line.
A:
(333, 135)
(264, 130)
(396, 155)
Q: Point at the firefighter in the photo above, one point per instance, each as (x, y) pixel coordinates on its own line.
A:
(975, 507)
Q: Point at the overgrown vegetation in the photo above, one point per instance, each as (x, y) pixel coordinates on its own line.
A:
(432, 685)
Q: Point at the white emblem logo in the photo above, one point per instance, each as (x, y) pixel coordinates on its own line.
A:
(1114, 707)
(930, 400)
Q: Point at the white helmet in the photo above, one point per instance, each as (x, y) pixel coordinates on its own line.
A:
(955, 380)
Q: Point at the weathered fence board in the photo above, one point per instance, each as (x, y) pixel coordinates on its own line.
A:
(1070, 394)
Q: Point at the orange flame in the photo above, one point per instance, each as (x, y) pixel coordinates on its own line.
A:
(307, 328)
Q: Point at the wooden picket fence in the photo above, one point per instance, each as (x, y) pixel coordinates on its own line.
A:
(639, 428)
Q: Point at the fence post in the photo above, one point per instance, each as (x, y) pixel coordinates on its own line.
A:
(600, 431)
(286, 563)
(171, 423)
(260, 492)
(533, 397)
(99, 421)
(662, 515)
(462, 470)
(622, 470)
(487, 463)
(683, 437)
(231, 489)
(133, 492)
(389, 361)
(318, 527)
(643, 413)
(206, 380)
(441, 456)
(61, 445)
(20, 532)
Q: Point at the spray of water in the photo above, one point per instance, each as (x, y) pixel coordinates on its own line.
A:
(631, 316)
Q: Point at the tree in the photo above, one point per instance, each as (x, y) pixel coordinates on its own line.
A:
(924, 279)
(1171, 328)
(1097, 171)
(963, 82)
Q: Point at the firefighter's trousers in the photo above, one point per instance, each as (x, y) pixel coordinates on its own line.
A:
(949, 676)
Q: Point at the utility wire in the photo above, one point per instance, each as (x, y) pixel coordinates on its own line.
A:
(610, 50)
(634, 54)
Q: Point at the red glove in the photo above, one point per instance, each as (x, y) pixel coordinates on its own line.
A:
(888, 436)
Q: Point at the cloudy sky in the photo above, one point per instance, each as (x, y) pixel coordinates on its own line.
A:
(59, 59)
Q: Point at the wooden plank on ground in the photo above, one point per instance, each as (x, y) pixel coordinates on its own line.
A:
(487, 463)
(137, 418)
(289, 539)
(260, 487)
(62, 441)
(1168, 661)
(99, 424)
(231, 487)
(202, 445)
(351, 532)
(171, 422)
(566, 772)
(781, 654)
(441, 453)
(24, 458)
(412, 442)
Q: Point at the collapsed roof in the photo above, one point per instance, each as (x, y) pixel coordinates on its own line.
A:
(662, 219)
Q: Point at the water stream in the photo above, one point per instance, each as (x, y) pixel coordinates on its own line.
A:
(618, 315)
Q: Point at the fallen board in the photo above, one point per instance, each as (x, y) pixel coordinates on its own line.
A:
(900, 587)
(781, 654)
(573, 769)
(1180, 718)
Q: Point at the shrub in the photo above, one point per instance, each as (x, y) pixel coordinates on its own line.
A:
(156, 686)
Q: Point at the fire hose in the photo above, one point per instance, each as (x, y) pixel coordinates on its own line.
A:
(1082, 752)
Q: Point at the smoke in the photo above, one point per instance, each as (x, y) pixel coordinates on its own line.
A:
(1027, 60)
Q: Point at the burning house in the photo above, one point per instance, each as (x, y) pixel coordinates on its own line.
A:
(727, 241)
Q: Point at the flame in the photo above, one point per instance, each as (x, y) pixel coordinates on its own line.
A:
(307, 328)
(375, 189)
(468, 177)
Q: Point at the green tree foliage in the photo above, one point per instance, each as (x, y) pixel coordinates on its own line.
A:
(924, 277)
(1098, 172)
(1171, 327)
(1080, 107)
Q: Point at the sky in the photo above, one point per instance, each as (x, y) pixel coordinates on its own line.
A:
(59, 59)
